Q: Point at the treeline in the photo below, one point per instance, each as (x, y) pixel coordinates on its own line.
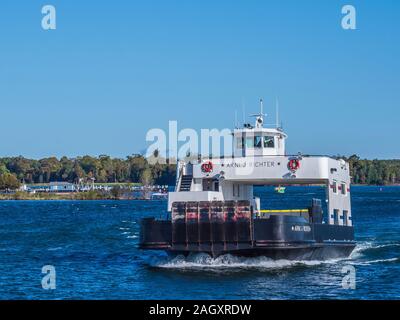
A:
(102, 169)
(136, 169)
(374, 172)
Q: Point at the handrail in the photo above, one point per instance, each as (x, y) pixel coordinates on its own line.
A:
(179, 180)
(272, 156)
(285, 211)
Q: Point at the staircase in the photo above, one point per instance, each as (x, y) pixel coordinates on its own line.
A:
(186, 183)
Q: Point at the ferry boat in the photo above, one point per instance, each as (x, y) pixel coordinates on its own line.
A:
(214, 210)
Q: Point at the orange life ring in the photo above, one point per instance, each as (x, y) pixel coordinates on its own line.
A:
(207, 167)
(294, 164)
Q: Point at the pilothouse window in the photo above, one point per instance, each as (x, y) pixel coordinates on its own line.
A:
(257, 142)
(249, 142)
(239, 142)
(269, 142)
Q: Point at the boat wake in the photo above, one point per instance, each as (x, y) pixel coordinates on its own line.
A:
(363, 248)
(231, 263)
(204, 262)
(368, 253)
(367, 263)
(360, 248)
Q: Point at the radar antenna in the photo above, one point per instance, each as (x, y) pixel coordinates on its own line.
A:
(260, 116)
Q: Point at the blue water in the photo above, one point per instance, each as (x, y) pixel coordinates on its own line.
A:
(93, 247)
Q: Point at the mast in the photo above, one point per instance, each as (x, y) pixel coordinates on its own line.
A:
(236, 120)
(260, 117)
(277, 112)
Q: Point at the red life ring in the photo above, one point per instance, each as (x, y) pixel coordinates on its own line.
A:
(207, 167)
(294, 164)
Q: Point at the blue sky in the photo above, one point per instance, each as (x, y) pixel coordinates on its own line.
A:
(112, 70)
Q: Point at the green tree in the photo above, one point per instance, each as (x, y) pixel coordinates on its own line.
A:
(3, 169)
(146, 177)
(8, 181)
(137, 164)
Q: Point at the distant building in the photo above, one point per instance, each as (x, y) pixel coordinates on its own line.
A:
(33, 188)
(51, 187)
(61, 187)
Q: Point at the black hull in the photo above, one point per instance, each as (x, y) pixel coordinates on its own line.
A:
(299, 253)
(282, 236)
(273, 239)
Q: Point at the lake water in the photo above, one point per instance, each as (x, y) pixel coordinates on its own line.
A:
(93, 247)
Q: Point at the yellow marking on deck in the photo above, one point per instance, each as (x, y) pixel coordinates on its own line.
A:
(285, 211)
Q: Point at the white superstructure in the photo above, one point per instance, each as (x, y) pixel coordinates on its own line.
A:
(260, 159)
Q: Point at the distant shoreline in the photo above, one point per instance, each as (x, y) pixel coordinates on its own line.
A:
(58, 196)
(88, 171)
(88, 196)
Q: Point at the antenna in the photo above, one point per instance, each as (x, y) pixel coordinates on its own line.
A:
(260, 116)
(236, 120)
(277, 112)
(244, 111)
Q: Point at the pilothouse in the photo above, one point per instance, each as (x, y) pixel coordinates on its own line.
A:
(214, 210)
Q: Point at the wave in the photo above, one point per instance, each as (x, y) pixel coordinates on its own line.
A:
(369, 253)
(54, 249)
(228, 262)
(126, 221)
(387, 245)
(366, 263)
(362, 247)
(205, 262)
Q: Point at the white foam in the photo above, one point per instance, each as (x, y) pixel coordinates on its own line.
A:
(387, 245)
(360, 248)
(229, 262)
(367, 245)
(233, 263)
(366, 263)
(54, 249)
